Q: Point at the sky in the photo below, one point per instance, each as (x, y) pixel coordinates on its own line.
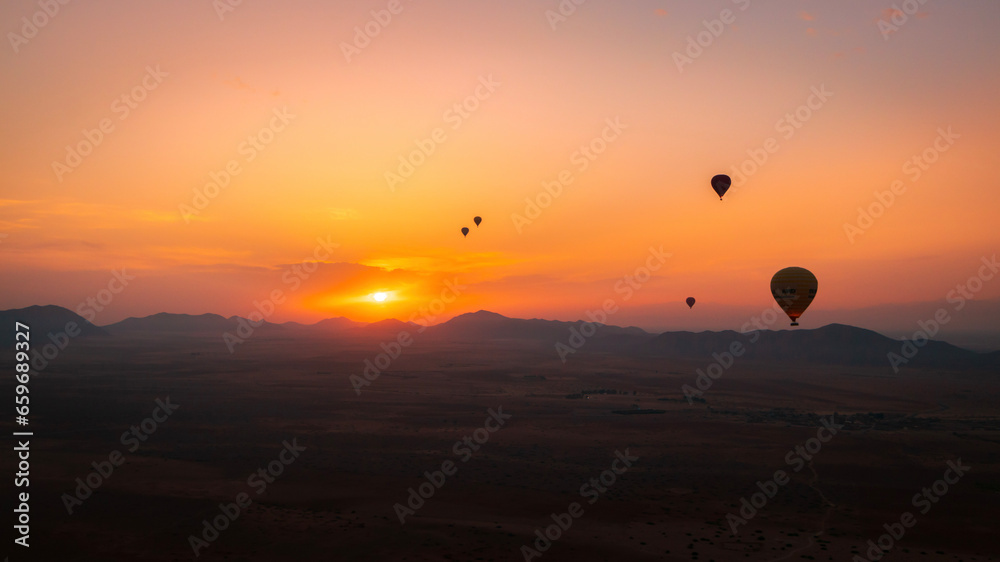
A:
(300, 157)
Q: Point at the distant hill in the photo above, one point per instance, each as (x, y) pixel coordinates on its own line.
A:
(834, 344)
(327, 328)
(338, 324)
(174, 323)
(386, 329)
(213, 325)
(44, 320)
(485, 325)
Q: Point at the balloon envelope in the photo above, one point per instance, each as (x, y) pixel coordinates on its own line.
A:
(478, 220)
(690, 301)
(721, 184)
(794, 288)
(465, 231)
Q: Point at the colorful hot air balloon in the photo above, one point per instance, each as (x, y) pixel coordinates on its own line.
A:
(465, 231)
(721, 184)
(690, 301)
(794, 288)
(477, 220)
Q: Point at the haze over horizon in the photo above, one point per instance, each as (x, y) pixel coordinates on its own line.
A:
(771, 321)
(324, 182)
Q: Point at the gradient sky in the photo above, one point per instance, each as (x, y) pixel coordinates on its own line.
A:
(323, 175)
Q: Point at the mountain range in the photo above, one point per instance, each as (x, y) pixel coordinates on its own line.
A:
(834, 344)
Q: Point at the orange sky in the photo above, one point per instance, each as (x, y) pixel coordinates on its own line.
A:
(222, 78)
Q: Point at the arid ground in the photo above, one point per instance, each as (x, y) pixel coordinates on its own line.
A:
(336, 500)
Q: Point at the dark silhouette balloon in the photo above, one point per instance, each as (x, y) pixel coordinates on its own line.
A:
(465, 231)
(478, 220)
(690, 301)
(721, 184)
(794, 288)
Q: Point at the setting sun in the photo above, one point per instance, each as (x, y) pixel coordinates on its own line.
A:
(380, 297)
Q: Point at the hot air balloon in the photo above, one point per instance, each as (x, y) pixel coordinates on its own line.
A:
(690, 301)
(721, 184)
(794, 288)
(465, 231)
(477, 220)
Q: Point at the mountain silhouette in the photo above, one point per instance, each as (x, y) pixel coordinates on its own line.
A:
(44, 320)
(484, 325)
(834, 344)
(165, 322)
(338, 324)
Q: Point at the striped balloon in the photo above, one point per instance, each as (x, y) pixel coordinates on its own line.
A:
(794, 288)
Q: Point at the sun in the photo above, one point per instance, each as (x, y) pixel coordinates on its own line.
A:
(380, 297)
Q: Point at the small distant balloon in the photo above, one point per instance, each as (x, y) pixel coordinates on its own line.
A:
(690, 301)
(465, 231)
(477, 220)
(721, 184)
(794, 288)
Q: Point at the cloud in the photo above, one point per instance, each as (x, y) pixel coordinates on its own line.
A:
(804, 15)
(65, 244)
(28, 214)
(14, 202)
